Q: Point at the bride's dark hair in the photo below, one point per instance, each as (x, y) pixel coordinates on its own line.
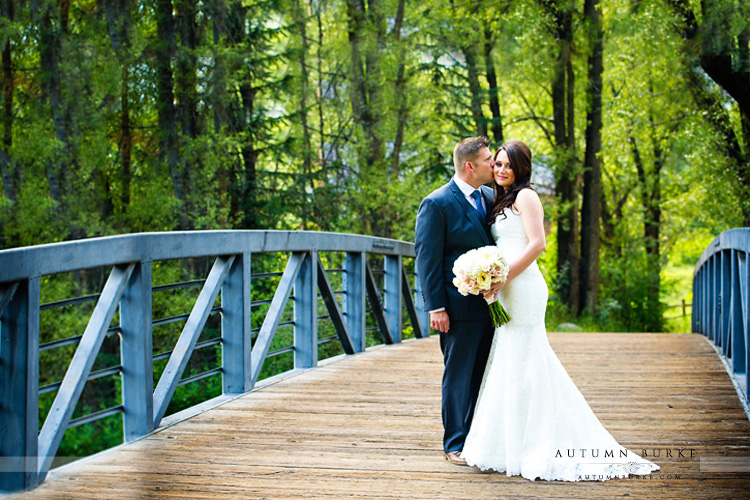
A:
(519, 156)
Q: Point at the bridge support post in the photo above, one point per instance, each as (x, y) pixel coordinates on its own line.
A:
(393, 302)
(744, 305)
(738, 320)
(236, 327)
(306, 313)
(725, 297)
(705, 300)
(715, 302)
(19, 385)
(137, 355)
(354, 299)
(697, 309)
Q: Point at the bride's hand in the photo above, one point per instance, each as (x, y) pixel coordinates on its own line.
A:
(494, 289)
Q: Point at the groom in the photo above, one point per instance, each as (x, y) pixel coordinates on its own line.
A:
(451, 221)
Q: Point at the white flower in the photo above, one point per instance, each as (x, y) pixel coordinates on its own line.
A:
(477, 269)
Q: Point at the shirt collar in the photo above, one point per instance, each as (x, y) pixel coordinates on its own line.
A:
(464, 186)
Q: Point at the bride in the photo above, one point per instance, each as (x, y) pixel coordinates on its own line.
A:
(530, 418)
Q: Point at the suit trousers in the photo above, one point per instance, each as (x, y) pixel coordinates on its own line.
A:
(466, 347)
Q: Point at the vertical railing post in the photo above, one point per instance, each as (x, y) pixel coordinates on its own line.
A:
(393, 302)
(422, 314)
(19, 387)
(726, 296)
(706, 291)
(306, 314)
(236, 326)
(694, 310)
(715, 299)
(737, 321)
(137, 354)
(745, 306)
(354, 299)
(709, 300)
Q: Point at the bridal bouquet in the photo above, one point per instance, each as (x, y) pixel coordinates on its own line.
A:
(476, 271)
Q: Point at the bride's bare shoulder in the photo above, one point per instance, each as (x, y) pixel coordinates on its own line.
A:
(527, 199)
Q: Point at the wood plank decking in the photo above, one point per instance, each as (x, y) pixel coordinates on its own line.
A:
(368, 427)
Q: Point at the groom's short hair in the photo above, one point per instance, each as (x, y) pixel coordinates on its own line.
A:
(467, 150)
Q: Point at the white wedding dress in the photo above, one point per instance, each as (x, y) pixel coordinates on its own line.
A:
(530, 418)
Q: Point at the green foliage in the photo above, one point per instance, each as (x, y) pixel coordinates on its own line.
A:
(291, 115)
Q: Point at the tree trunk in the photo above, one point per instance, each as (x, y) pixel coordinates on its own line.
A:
(50, 46)
(497, 118)
(610, 221)
(8, 169)
(219, 90)
(567, 169)
(375, 22)
(168, 124)
(366, 31)
(186, 78)
(249, 181)
(651, 202)
(359, 92)
(356, 12)
(186, 95)
(591, 205)
(744, 66)
(300, 22)
(475, 89)
(319, 96)
(365, 34)
(399, 91)
(241, 111)
(126, 137)
(118, 21)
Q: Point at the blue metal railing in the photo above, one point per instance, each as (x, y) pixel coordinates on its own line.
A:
(721, 298)
(26, 453)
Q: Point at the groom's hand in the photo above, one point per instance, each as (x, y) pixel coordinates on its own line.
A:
(439, 321)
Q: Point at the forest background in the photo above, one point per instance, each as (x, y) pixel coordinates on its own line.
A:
(122, 116)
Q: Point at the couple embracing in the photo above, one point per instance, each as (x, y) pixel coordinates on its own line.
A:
(507, 402)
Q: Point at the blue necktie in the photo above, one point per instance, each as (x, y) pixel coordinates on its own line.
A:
(478, 202)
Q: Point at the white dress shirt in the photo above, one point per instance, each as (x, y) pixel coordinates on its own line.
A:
(467, 190)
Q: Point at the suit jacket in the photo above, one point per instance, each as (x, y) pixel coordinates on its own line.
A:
(447, 227)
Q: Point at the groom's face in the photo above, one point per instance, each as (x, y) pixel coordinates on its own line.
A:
(483, 165)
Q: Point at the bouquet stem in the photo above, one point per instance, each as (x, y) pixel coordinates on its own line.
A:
(498, 314)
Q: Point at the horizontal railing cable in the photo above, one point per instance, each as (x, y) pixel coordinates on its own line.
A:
(69, 302)
(174, 286)
(198, 346)
(180, 317)
(104, 372)
(113, 330)
(200, 376)
(92, 417)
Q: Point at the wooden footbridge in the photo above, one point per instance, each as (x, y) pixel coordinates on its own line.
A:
(363, 425)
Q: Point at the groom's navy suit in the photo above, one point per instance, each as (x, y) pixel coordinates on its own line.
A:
(447, 227)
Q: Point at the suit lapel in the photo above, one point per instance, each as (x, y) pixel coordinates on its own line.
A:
(471, 213)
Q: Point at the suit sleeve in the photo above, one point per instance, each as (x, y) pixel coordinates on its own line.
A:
(429, 246)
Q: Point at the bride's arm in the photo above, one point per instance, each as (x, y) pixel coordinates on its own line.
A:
(532, 217)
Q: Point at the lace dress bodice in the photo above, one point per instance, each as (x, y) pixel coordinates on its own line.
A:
(509, 233)
(525, 297)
